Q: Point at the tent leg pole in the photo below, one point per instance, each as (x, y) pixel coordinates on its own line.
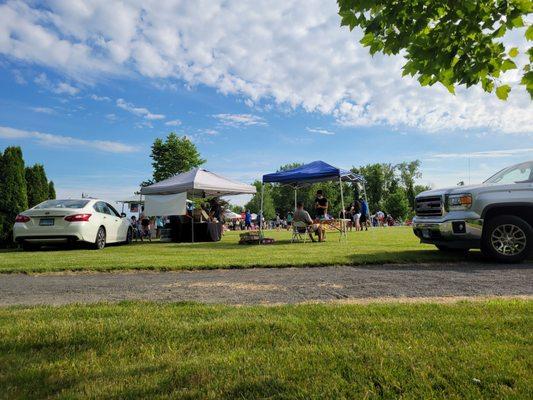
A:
(261, 212)
(343, 223)
(192, 220)
(295, 196)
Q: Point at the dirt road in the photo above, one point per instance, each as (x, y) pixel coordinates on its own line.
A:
(271, 285)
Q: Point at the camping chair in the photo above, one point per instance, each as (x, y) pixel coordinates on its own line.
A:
(299, 231)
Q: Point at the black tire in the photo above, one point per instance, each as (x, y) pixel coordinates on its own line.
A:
(507, 239)
(100, 240)
(451, 250)
(26, 246)
(129, 236)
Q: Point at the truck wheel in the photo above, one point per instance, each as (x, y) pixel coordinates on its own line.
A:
(507, 238)
(451, 250)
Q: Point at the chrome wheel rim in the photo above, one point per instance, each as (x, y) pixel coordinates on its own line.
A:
(508, 239)
(100, 239)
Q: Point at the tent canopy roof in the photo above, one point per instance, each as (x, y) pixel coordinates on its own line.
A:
(198, 182)
(316, 171)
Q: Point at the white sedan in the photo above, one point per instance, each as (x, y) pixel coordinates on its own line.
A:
(68, 221)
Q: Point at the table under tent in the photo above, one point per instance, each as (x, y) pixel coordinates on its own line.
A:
(308, 174)
(169, 198)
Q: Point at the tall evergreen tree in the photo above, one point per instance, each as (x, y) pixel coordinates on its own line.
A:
(13, 195)
(37, 185)
(51, 190)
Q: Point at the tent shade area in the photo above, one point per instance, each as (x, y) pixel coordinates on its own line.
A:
(307, 174)
(196, 183)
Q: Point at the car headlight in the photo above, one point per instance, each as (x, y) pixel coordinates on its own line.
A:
(458, 202)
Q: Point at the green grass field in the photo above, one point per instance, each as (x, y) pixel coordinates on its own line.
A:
(144, 350)
(381, 245)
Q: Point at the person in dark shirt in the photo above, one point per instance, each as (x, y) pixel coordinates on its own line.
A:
(321, 205)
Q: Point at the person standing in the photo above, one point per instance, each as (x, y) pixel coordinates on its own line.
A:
(356, 215)
(363, 219)
(248, 220)
(321, 205)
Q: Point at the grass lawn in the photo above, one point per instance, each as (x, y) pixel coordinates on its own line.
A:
(381, 245)
(146, 350)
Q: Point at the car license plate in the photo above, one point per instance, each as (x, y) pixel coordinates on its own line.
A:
(46, 222)
(425, 233)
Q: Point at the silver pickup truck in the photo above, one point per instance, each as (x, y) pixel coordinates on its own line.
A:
(495, 216)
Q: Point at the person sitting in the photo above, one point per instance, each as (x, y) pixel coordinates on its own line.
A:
(321, 205)
(300, 215)
(145, 228)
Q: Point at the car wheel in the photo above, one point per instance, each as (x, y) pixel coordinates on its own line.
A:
(30, 246)
(507, 238)
(129, 236)
(451, 250)
(99, 243)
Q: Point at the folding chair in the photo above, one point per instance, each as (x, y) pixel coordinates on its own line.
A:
(299, 231)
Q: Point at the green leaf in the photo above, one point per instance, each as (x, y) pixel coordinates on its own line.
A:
(507, 65)
(517, 22)
(513, 52)
(529, 33)
(367, 39)
(503, 92)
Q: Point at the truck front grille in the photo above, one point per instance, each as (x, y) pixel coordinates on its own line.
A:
(428, 206)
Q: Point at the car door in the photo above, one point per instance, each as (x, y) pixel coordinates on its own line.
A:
(107, 219)
(121, 225)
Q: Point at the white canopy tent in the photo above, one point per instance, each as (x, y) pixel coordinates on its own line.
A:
(198, 182)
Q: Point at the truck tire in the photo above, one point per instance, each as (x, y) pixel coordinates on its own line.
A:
(507, 239)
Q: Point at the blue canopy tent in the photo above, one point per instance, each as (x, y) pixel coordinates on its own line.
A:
(316, 171)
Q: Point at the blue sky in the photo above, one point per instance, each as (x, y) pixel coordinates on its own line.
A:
(85, 88)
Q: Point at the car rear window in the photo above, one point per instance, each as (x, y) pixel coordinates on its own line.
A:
(62, 204)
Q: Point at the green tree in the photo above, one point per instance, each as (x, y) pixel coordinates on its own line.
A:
(173, 155)
(36, 185)
(254, 205)
(51, 190)
(451, 42)
(396, 204)
(13, 196)
(409, 172)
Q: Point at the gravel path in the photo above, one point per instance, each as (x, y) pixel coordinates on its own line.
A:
(271, 285)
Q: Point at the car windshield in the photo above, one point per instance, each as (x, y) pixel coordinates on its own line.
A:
(62, 204)
(520, 173)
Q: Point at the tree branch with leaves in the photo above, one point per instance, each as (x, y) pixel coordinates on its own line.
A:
(447, 41)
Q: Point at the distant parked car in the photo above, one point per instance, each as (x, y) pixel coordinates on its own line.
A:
(68, 221)
(496, 216)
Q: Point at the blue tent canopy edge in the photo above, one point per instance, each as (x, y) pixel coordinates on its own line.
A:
(316, 171)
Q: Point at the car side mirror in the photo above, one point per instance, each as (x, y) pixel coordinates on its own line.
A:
(123, 215)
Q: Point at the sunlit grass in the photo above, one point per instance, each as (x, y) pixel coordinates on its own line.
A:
(145, 350)
(381, 245)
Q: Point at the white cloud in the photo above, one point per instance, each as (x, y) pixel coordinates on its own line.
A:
(240, 120)
(284, 52)
(483, 154)
(100, 98)
(57, 88)
(63, 141)
(19, 78)
(174, 122)
(139, 111)
(43, 110)
(111, 117)
(321, 131)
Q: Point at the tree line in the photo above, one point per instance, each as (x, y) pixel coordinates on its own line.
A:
(21, 188)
